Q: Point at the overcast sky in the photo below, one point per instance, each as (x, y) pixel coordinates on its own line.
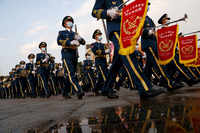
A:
(25, 23)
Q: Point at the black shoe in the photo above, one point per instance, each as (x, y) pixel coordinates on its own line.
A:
(165, 85)
(48, 95)
(34, 96)
(158, 88)
(114, 91)
(175, 86)
(152, 93)
(190, 82)
(67, 96)
(80, 95)
(97, 93)
(112, 96)
(117, 88)
(104, 93)
(194, 81)
(132, 88)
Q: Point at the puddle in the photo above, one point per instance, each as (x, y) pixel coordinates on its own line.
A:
(175, 116)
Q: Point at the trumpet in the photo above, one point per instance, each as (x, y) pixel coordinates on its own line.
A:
(191, 33)
(172, 22)
(184, 18)
(123, 4)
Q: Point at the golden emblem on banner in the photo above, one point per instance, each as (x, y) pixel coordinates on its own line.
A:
(129, 25)
(187, 50)
(166, 47)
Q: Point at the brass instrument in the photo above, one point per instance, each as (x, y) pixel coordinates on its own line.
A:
(192, 33)
(44, 65)
(172, 22)
(123, 4)
(184, 18)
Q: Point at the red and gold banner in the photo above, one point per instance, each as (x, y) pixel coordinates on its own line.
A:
(188, 51)
(167, 38)
(197, 63)
(132, 20)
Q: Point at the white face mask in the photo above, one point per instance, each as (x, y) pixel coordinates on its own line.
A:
(168, 21)
(22, 66)
(43, 49)
(70, 24)
(100, 38)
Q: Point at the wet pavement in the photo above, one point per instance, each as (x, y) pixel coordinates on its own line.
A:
(177, 112)
(138, 118)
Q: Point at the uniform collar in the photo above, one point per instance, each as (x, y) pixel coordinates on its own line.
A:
(98, 41)
(43, 52)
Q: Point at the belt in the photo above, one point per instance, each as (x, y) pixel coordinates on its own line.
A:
(88, 67)
(69, 47)
(100, 56)
(16, 75)
(44, 65)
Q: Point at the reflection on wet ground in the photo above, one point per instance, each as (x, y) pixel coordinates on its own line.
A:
(174, 115)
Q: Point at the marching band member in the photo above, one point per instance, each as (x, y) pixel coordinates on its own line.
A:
(108, 10)
(70, 41)
(149, 46)
(30, 67)
(42, 59)
(100, 51)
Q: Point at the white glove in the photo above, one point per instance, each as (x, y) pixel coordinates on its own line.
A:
(107, 51)
(34, 68)
(109, 66)
(75, 42)
(151, 32)
(45, 60)
(144, 56)
(54, 71)
(33, 72)
(113, 12)
(77, 37)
